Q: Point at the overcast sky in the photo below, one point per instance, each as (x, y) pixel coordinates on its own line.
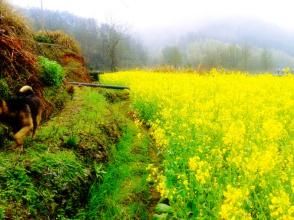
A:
(141, 14)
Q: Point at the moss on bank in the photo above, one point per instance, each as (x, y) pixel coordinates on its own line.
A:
(52, 177)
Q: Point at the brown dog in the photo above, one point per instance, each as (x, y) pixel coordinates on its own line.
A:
(22, 114)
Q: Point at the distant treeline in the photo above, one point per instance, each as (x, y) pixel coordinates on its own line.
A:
(207, 53)
(105, 46)
(112, 47)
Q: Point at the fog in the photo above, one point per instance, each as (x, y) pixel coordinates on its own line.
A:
(146, 14)
(258, 35)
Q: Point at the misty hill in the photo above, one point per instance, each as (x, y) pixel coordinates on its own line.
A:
(249, 31)
(253, 32)
(239, 43)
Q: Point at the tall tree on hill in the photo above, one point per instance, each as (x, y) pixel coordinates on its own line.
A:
(111, 35)
(266, 60)
(245, 57)
(172, 56)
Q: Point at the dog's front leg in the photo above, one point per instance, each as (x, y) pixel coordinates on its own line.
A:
(21, 134)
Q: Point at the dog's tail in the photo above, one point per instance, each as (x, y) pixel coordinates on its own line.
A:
(26, 91)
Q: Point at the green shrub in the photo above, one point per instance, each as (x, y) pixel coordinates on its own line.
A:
(52, 73)
(72, 141)
(42, 38)
(4, 89)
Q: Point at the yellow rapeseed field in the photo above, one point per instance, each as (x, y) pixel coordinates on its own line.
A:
(226, 140)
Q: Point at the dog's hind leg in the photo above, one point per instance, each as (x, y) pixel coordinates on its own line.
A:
(35, 126)
(37, 122)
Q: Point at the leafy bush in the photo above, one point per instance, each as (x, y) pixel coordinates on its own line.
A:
(4, 89)
(72, 141)
(42, 38)
(52, 73)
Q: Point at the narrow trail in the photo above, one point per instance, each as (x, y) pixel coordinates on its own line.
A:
(123, 192)
(84, 117)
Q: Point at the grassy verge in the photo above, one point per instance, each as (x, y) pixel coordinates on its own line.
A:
(123, 192)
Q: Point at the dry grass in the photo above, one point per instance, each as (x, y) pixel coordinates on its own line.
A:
(18, 65)
(18, 62)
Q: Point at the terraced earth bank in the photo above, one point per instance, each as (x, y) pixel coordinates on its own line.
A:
(87, 162)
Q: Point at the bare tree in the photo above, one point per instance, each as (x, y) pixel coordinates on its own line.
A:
(112, 35)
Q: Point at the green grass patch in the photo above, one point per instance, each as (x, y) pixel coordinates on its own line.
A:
(123, 192)
(34, 184)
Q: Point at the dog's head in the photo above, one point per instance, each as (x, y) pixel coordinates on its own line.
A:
(26, 90)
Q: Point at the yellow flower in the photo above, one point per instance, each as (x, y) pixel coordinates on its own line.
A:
(201, 169)
(273, 130)
(262, 161)
(235, 133)
(232, 204)
(280, 207)
(161, 187)
(159, 137)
